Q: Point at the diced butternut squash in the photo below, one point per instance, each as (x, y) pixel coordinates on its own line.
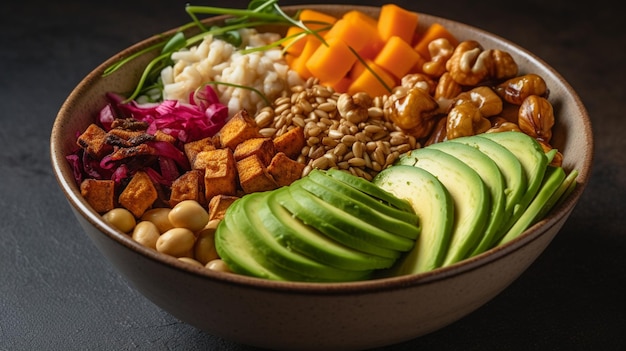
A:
(352, 35)
(298, 64)
(397, 57)
(314, 20)
(367, 82)
(434, 31)
(368, 28)
(332, 61)
(397, 21)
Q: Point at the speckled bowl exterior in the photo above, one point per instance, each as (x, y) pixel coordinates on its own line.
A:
(310, 316)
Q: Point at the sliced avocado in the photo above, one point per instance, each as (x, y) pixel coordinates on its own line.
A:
(510, 167)
(367, 187)
(294, 234)
(322, 178)
(234, 249)
(435, 208)
(551, 182)
(248, 217)
(533, 161)
(468, 191)
(357, 226)
(308, 210)
(493, 179)
(360, 210)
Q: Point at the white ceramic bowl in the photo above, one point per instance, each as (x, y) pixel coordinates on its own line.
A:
(341, 316)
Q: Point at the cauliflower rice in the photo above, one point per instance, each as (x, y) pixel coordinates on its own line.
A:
(216, 60)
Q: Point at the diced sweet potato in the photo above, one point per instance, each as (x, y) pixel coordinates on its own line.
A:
(220, 173)
(285, 170)
(239, 128)
(262, 147)
(93, 141)
(291, 142)
(100, 194)
(253, 175)
(189, 186)
(139, 194)
(192, 148)
(218, 205)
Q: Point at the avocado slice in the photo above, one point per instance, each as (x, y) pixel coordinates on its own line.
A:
(240, 256)
(371, 215)
(551, 182)
(322, 178)
(435, 208)
(533, 160)
(510, 167)
(468, 191)
(294, 234)
(493, 179)
(314, 212)
(368, 187)
(357, 226)
(253, 225)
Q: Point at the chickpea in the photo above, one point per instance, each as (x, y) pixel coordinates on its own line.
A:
(176, 242)
(146, 233)
(159, 216)
(190, 261)
(218, 265)
(204, 249)
(189, 214)
(120, 218)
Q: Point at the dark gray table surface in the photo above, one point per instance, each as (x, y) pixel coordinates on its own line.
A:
(57, 292)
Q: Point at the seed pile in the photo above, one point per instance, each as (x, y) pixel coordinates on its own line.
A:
(344, 132)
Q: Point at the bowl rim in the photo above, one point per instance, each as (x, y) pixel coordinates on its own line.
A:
(67, 184)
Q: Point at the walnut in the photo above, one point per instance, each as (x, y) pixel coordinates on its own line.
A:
(516, 89)
(354, 108)
(445, 92)
(500, 124)
(439, 133)
(536, 118)
(484, 98)
(413, 112)
(465, 119)
(440, 52)
(417, 80)
(502, 66)
(469, 64)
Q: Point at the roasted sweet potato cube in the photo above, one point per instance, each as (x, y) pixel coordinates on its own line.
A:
(253, 175)
(139, 194)
(262, 147)
(192, 148)
(189, 186)
(239, 128)
(93, 140)
(284, 170)
(220, 173)
(100, 194)
(218, 205)
(290, 142)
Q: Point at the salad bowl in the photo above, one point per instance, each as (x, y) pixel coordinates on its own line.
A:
(313, 316)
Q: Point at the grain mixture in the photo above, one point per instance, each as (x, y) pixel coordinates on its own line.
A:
(342, 131)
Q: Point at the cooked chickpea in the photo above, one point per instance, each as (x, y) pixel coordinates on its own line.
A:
(146, 233)
(188, 214)
(159, 216)
(176, 242)
(120, 218)
(204, 249)
(218, 265)
(190, 261)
